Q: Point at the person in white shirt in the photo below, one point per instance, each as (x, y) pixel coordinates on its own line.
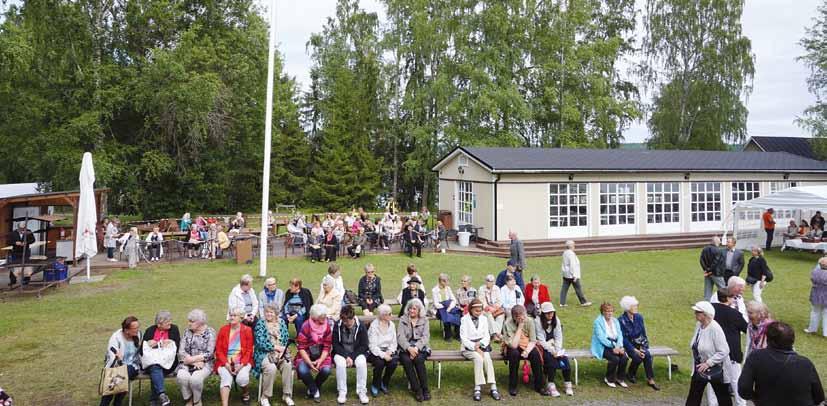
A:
(110, 239)
(476, 346)
(492, 303)
(735, 287)
(243, 296)
(511, 294)
(383, 350)
(447, 308)
(571, 276)
(335, 273)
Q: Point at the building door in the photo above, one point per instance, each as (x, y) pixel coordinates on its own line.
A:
(465, 204)
(617, 208)
(568, 205)
(663, 208)
(705, 208)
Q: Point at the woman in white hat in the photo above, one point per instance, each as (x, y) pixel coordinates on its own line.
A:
(709, 350)
(550, 337)
(476, 346)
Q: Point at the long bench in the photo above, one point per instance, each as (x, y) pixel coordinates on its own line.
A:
(440, 356)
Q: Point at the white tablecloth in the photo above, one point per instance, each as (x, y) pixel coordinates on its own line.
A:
(801, 245)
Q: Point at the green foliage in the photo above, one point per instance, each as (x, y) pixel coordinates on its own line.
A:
(702, 66)
(815, 116)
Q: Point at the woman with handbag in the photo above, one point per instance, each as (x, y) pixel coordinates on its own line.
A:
(413, 337)
(271, 355)
(383, 355)
(492, 307)
(121, 351)
(636, 342)
(297, 302)
(607, 343)
(315, 345)
(476, 346)
(197, 353)
(234, 356)
(709, 351)
(163, 339)
(550, 338)
(758, 273)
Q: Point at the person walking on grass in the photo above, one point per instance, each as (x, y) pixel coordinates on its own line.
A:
(571, 276)
(712, 264)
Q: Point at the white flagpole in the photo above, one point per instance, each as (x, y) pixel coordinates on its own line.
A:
(268, 130)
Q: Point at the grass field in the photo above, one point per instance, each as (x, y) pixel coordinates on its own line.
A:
(51, 349)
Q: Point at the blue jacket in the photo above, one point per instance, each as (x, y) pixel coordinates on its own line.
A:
(518, 277)
(632, 329)
(600, 339)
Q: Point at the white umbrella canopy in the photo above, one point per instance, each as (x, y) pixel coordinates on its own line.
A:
(87, 220)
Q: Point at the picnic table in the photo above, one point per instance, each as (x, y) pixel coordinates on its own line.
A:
(800, 244)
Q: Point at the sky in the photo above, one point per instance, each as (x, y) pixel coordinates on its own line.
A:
(774, 26)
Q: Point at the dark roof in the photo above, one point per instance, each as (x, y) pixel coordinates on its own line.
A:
(602, 160)
(794, 145)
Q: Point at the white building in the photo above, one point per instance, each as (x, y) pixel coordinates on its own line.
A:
(572, 193)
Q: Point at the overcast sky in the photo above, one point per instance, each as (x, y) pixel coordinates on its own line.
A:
(775, 27)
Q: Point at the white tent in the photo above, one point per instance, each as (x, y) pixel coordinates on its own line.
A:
(86, 243)
(790, 204)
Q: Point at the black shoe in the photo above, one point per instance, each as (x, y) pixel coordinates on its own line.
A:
(418, 397)
(163, 400)
(631, 378)
(495, 394)
(384, 388)
(654, 386)
(512, 392)
(426, 395)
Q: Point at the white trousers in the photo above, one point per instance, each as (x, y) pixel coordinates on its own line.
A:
(483, 365)
(818, 314)
(756, 292)
(732, 371)
(242, 377)
(495, 324)
(361, 365)
(192, 384)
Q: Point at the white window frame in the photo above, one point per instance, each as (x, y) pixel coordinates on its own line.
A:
(465, 202)
(560, 206)
(663, 203)
(743, 191)
(779, 186)
(617, 204)
(706, 201)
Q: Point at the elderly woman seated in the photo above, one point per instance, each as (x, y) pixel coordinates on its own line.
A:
(297, 302)
(243, 296)
(330, 298)
(607, 343)
(315, 345)
(413, 291)
(519, 343)
(635, 341)
(370, 290)
(511, 294)
(536, 293)
(234, 356)
(197, 354)
(383, 350)
(550, 338)
(271, 355)
(163, 336)
(357, 243)
(465, 293)
(413, 336)
(803, 228)
(270, 294)
(492, 307)
(448, 311)
(476, 346)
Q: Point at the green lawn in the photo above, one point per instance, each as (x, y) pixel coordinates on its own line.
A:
(51, 349)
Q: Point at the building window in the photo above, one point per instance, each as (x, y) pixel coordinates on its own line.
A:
(567, 204)
(617, 203)
(706, 201)
(465, 203)
(743, 191)
(663, 203)
(779, 186)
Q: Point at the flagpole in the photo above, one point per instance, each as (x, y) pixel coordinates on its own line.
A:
(268, 130)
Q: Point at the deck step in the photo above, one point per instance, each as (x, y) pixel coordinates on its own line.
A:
(554, 247)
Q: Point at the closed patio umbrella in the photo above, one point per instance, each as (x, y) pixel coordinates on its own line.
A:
(86, 222)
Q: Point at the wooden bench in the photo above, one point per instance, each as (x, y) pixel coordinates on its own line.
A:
(440, 356)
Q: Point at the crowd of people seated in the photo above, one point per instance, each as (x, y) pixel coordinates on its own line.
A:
(812, 231)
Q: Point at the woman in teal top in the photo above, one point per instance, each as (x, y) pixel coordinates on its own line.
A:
(607, 343)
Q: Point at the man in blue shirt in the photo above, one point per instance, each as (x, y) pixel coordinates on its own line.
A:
(510, 268)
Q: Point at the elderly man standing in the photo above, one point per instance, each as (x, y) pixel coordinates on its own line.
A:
(571, 276)
(712, 264)
(733, 260)
(517, 251)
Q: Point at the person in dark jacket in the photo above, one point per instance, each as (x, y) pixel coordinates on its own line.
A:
(350, 349)
(511, 268)
(413, 292)
(20, 241)
(370, 290)
(758, 273)
(733, 260)
(297, 302)
(777, 375)
(162, 334)
(413, 241)
(733, 324)
(517, 251)
(712, 264)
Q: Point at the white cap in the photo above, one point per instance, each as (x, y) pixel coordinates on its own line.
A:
(704, 307)
(547, 307)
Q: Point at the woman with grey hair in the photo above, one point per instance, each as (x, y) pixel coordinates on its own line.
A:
(270, 294)
(196, 353)
(635, 341)
(571, 276)
(315, 348)
(244, 296)
(818, 298)
(163, 335)
(413, 337)
(330, 297)
(709, 351)
(271, 355)
(383, 345)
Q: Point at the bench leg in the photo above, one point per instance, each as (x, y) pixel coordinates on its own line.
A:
(439, 375)
(669, 366)
(576, 373)
(130, 393)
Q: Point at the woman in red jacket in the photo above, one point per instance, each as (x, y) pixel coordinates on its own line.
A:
(535, 294)
(234, 356)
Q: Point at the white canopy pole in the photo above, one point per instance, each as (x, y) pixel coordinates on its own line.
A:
(268, 130)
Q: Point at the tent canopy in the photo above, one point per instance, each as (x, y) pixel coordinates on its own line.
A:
(799, 198)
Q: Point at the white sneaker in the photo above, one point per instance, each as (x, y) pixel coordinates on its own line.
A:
(363, 398)
(622, 384)
(288, 401)
(264, 402)
(569, 390)
(807, 330)
(342, 399)
(552, 390)
(611, 384)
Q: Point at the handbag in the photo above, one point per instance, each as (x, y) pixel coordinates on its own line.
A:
(163, 356)
(114, 380)
(713, 374)
(314, 351)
